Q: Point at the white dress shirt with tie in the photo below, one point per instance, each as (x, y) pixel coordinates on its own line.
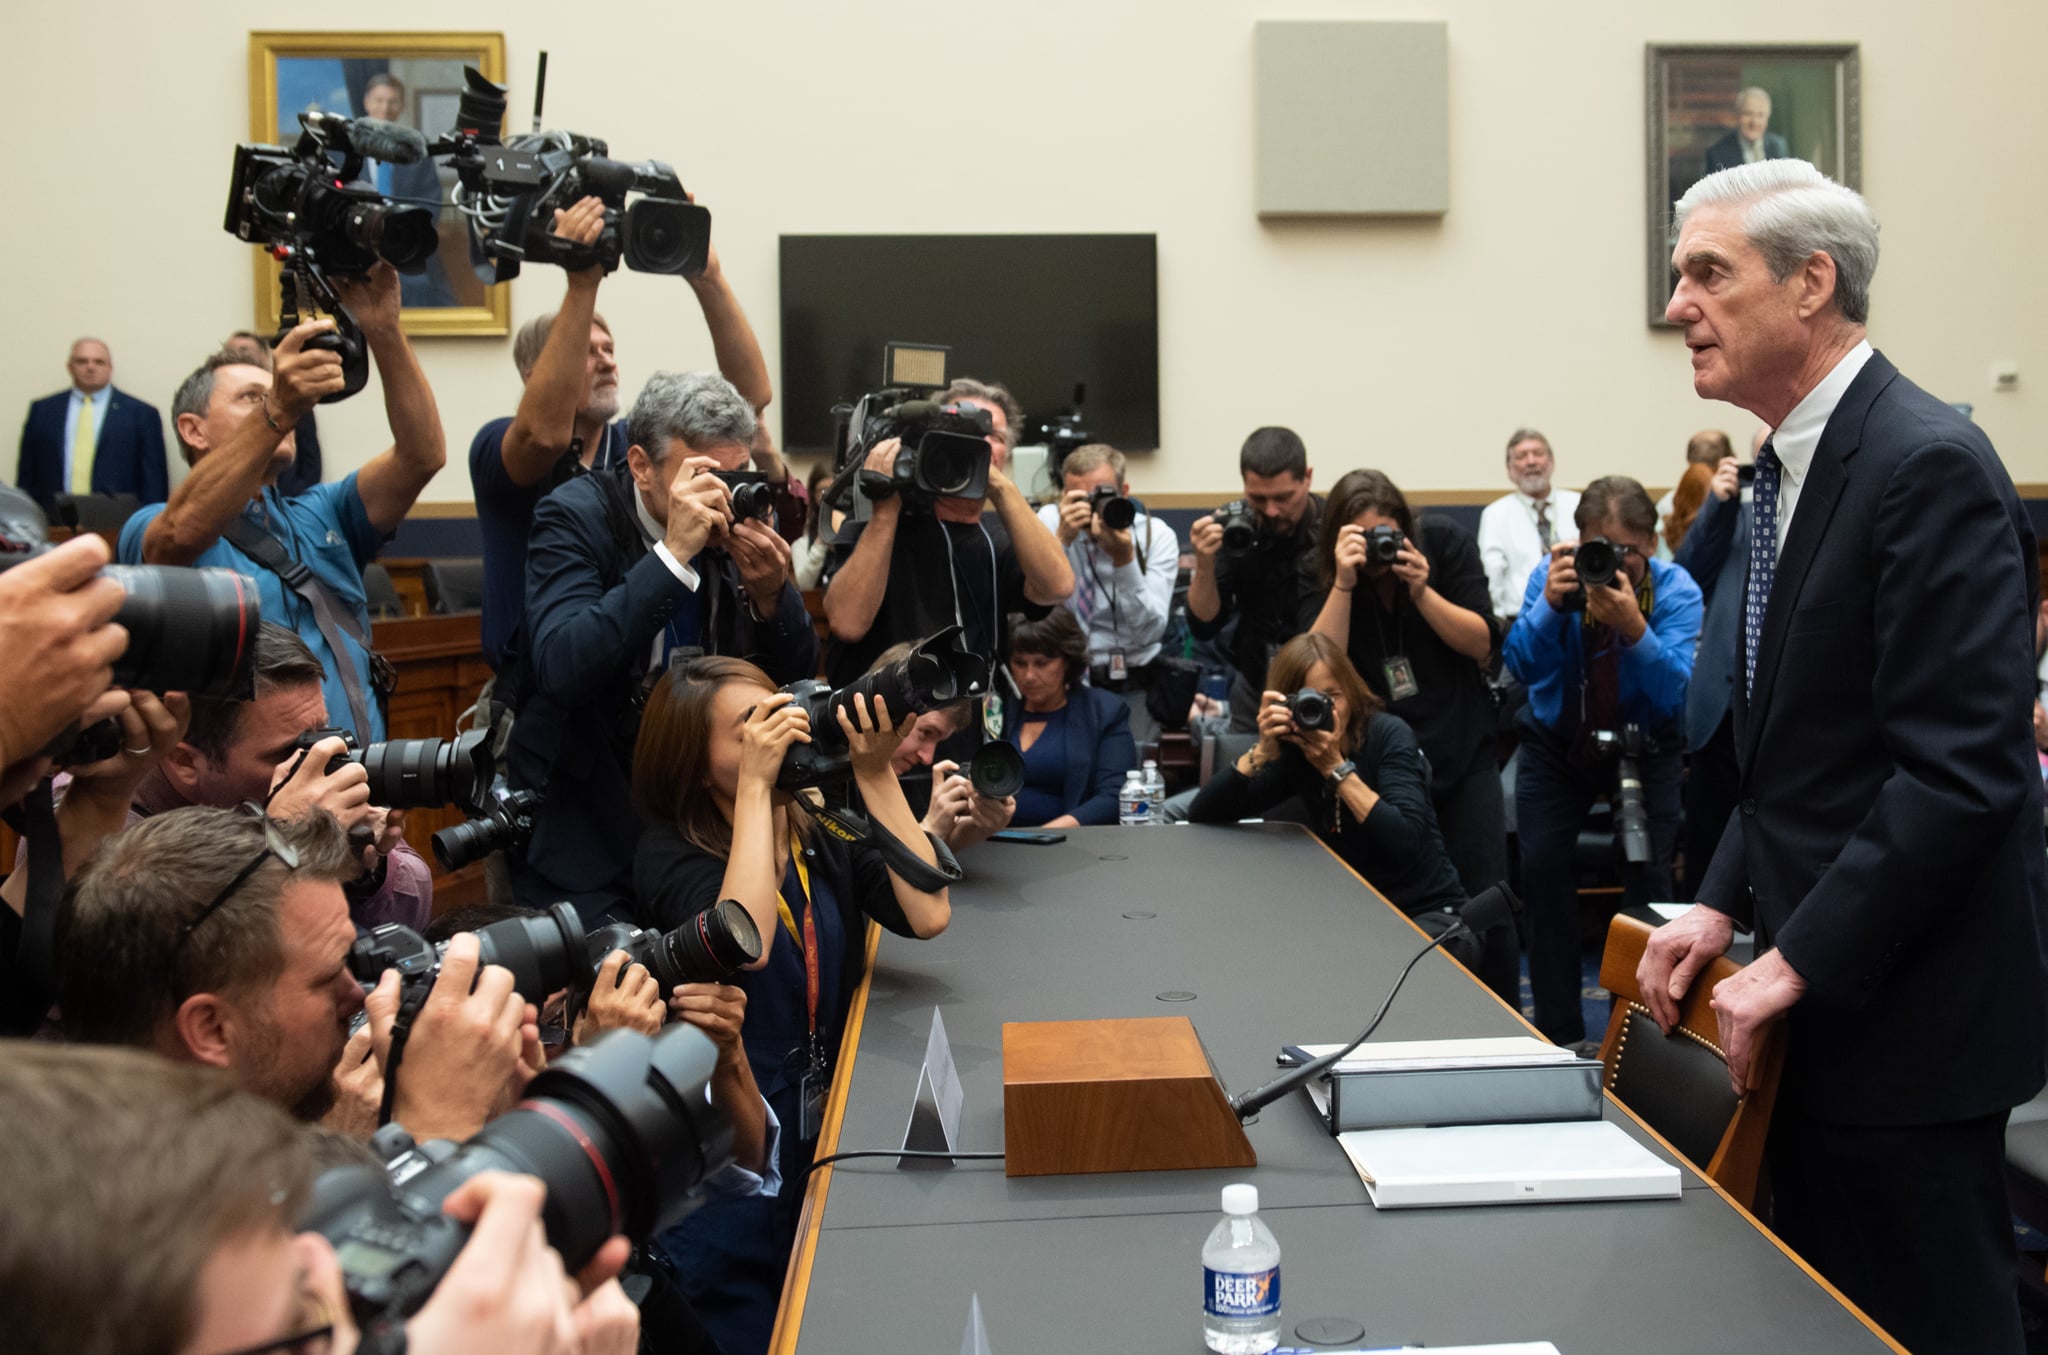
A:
(1122, 606)
(1798, 436)
(1512, 544)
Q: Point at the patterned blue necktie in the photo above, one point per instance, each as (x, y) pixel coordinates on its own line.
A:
(1763, 559)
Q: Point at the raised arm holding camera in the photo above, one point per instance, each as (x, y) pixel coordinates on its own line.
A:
(713, 748)
(630, 571)
(1408, 602)
(234, 421)
(1604, 643)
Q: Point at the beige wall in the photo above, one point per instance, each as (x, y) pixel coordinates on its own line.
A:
(1414, 346)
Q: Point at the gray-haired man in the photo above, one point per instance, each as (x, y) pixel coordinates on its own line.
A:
(628, 571)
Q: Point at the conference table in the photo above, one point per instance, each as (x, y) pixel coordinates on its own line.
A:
(1262, 938)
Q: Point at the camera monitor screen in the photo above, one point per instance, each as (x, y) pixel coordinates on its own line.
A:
(1041, 313)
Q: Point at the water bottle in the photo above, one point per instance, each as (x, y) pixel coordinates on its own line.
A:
(1134, 802)
(1155, 791)
(1241, 1278)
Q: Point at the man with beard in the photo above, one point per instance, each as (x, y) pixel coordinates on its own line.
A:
(1516, 533)
(219, 937)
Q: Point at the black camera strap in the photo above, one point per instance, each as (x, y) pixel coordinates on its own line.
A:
(333, 619)
(852, 827)
(34, 989)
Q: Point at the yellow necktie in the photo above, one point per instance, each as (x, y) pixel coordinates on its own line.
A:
(82, 449)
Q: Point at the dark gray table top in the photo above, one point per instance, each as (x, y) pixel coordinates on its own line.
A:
(1279, 944)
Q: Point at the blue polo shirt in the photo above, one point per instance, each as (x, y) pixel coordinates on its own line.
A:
(504, 517)
(328, 530)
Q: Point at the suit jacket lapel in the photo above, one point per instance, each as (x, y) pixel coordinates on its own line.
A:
(1818, 495)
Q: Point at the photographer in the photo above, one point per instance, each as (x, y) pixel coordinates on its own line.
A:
(1410, 607)
(1362, 779)
(254, 349)
(630, 571)
(204, 1183)
(566, 422)
(214, 936)
(58, 645)
(235, 423)
(952, 810)
(1264, 587)
(711, 747)
(252, 751)
(1602, 662)
(888, 586)
(1123, 576)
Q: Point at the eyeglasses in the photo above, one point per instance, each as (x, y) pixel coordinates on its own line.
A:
(274, 844)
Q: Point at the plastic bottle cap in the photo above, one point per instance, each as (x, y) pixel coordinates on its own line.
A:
(1242, 1198)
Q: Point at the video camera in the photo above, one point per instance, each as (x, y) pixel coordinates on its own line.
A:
(944, 452)
(416, 773)
(1631, 819)
(505, 825)
(553, 952)
(622, 1133)
(189, 630)
(938, 672)
(510, 191)
(1598, 564)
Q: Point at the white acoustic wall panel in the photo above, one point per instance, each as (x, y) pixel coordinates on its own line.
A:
(1353, 118)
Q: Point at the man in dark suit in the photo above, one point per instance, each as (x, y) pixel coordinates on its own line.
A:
(1887, 843)
(93, 438)
(631, 570)
(1751, 140)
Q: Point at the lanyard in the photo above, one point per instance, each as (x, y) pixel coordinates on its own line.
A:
(810, 934)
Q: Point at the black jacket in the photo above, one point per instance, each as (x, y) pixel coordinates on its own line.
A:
(596, 598)
(1888, 835)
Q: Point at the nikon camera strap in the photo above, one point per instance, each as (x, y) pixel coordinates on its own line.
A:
(912, 869)
(333, 619)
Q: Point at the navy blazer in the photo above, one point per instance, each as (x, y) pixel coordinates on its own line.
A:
(1100, 722)
(593, 612)
(129, 458)
(1716, 553)
(1726, 153)
(1888, 835)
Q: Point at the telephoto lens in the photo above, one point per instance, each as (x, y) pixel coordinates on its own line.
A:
(939, 672)
(996, 769)
(1383, 545)
(1311, 710)
(429, 773)
(546, 954)
(621, 1132)
(711, 947)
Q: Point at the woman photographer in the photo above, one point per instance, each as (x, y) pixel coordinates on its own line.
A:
(1076, 741)
(1362, 779)
(704, 770)
(1419, 628)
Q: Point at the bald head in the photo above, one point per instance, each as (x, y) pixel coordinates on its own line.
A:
(91, 365)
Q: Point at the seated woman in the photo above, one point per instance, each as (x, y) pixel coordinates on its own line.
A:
(1363, 780)
(711, 742)
(1076, 741)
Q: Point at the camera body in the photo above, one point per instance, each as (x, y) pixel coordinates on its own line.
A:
(622, 1132)
(1623, 747)
(938, 672)
(752, 495)
(506, 824)
(1240, 526)
(416, 773)
(1383, 545)
(1110, 504)
(1312, 711)
(189, 630)
(1598, 564)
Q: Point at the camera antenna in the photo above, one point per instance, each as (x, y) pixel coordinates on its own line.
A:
(540, 89)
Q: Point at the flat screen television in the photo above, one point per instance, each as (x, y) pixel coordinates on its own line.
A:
(1040, 313)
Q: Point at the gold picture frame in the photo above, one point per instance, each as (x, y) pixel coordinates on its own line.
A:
(338, 72)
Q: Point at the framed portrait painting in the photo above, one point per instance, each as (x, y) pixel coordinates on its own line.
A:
(414, 79)
(1710, 107)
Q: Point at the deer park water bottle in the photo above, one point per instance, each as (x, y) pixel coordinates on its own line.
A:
(1241, 1279)
(1134, 802)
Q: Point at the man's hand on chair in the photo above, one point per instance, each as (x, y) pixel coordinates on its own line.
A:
(1674, 957)
(1747, 1002)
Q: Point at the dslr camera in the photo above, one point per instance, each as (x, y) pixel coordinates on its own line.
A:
(1631, 820)
(752, 495)
(1383, 545)
(1599, 565)
(510, 191)
(553, 952)
(938, 672)
(944, 451)
(1116, 511)
(1312, 711)
(189, 630)
(505, 825)
(622, 1133)
(1240, 526)
(416, 773)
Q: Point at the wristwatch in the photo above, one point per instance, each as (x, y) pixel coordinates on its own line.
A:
(1341, 773)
